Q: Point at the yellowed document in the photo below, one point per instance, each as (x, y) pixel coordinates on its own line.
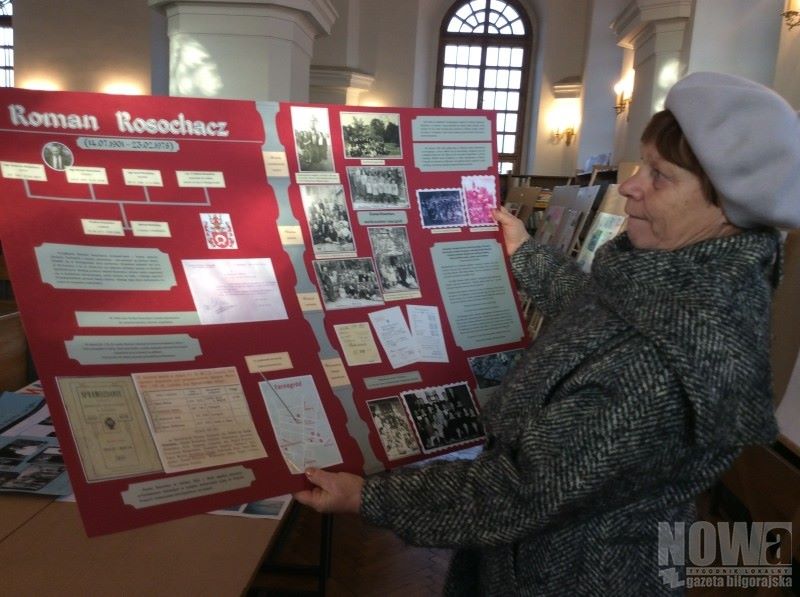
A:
(109, 427)
(357, 343)
(199, 418)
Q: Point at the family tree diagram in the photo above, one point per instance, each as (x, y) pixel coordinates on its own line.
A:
(146, 179)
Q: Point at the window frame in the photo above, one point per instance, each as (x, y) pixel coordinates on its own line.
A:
(7, 22)
(484, 40)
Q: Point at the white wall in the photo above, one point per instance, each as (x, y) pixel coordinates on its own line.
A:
(602, 68)
(740, 40)
(388, 51)
(561, 49)
(83, 45)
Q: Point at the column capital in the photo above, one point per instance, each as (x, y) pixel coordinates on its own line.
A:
(639, 15)
(340, 76)
(320, 14)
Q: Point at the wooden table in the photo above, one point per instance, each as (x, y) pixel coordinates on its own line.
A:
(44, 551)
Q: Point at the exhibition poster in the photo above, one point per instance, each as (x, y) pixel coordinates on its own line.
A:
(218, 294)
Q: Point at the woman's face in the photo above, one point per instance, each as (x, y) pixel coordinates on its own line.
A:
(666, 207)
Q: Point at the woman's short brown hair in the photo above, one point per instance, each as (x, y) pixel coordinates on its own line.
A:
(666, 134)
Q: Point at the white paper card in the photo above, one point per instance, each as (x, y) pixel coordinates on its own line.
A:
(395, 337)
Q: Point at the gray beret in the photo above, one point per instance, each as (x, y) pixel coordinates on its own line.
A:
(747, 138)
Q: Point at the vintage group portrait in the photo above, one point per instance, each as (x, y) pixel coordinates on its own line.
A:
(441, 208)
(371, 135)
(328, 220)
(443, 416)
(348, 283)
(378, 187)
(392, 253)
(393, 427)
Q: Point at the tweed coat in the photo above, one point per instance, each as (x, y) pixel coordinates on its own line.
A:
(650, 376)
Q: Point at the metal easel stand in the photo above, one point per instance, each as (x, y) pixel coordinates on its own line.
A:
(321, 570)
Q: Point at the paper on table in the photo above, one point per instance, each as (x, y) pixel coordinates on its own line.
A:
(15, 407)
(300, 423)
(395, 337)
(234, 290)
(426, 328)
(198, 418)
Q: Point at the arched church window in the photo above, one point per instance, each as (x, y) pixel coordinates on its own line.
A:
(484, 53)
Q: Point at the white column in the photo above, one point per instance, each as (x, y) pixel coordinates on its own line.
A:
(243, 49)
(740, 40)
(655, 30)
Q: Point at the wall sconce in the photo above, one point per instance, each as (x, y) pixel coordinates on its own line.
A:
(792, 18)
(624, 92)
(564, 117)
(567, 134)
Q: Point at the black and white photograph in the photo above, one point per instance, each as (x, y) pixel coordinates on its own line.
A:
(378, 187)
(371, 135)
(392, 253)
(348, 283)
(443, 416)
(57, 155)
(51, 455)
(312, 139)
(441, 208)
(18, 450)
(34, 478)
(328, 220)
(491, 369)
(394, 429)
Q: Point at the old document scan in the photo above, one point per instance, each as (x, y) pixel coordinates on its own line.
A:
(109, 427)
(199, 418)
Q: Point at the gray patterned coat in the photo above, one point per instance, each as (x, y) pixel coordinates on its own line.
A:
(650, 376)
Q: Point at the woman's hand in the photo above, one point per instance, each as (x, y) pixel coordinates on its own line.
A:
(514, 232)
(334, 492)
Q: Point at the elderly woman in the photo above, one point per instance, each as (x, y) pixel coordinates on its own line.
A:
(650, 377)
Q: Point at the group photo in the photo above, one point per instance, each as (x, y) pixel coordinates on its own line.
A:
(392, 253)
(378, 187)
(328, 220)
(348, 283)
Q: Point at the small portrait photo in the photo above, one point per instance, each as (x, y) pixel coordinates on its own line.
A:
(392, 253)
(312, 139)
(491, 369)
(378, 187)
(371, 135)
(441, 208)
(328, 220)
(480, 195)
(34, 478)
(348, 283)
(443, 416)
(393, 428)
(18, 450)
(57, 155)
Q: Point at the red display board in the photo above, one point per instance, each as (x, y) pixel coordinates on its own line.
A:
(218, 294)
